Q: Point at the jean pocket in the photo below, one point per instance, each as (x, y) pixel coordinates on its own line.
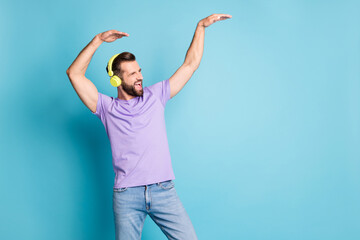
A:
(120, 189)
(167, 184)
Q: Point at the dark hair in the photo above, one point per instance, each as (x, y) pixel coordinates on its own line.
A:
(122, 57)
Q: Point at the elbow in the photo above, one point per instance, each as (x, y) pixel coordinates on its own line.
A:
(73, 72)
(196, 66)
(69, 74)
(193, 66)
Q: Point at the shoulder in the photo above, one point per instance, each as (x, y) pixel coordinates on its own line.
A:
(161, 90)
(158, 86)
(103, 104)
(105, 99)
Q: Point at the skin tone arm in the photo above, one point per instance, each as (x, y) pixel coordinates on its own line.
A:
(84, 88)
(193, 55)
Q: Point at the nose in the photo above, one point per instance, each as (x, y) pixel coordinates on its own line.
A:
(139, 76)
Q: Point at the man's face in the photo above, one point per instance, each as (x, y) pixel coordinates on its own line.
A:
(132, 78)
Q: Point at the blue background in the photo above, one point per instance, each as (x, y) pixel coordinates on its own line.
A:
(264, 138)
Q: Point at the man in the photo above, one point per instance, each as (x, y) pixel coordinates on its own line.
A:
(135, 125)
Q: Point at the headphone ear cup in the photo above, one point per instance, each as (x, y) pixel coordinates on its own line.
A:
(115, 81)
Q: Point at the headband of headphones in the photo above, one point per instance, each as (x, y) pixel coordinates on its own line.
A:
(110, 72)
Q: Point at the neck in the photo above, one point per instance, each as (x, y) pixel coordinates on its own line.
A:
(123, 95)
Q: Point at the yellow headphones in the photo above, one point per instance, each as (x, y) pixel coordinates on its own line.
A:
(114, 80)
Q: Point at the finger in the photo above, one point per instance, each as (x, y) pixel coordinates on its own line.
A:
(125, 34)
(121, 33)
(223, 16)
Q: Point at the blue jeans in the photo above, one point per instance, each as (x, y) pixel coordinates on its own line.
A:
(132, 204)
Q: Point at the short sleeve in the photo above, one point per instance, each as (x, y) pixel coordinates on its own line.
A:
(161, 90)
(102, 105)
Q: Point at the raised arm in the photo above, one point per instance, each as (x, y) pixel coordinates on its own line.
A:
(194, 54)
(84, 88)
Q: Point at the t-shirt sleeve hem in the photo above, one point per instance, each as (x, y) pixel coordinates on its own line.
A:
(98, 106)
(167, 91)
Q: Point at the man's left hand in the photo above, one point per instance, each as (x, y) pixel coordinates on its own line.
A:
(213, 18)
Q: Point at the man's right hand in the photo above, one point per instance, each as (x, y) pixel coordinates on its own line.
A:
(112, 35)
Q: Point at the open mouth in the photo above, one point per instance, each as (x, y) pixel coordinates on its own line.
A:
(138, 85)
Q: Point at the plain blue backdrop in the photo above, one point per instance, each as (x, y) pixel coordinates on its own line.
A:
(264, 138)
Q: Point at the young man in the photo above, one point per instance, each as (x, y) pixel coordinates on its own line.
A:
(135, 125)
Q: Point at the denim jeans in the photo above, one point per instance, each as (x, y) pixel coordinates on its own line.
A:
(160, 201)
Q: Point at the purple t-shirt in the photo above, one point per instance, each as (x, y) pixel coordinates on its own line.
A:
(137, 133)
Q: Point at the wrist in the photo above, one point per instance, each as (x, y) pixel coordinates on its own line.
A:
(97, 40)
(200, 25)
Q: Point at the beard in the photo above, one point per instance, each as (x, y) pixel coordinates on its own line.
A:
(130, 89)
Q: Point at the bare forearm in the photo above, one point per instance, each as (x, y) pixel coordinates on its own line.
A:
(82, 61)
(195, 51)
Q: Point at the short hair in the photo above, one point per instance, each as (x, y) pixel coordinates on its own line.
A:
(122, 57)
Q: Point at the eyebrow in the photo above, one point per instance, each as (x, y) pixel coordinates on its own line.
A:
(134, 72)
